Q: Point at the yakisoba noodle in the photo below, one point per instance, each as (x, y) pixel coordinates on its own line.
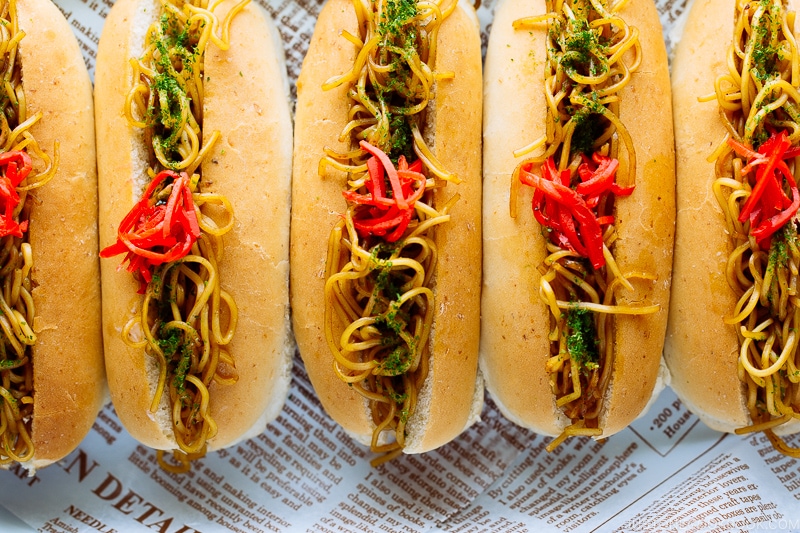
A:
(591, 55)
(16, 304)
(757, 97)
(380, 290)
(185, 319)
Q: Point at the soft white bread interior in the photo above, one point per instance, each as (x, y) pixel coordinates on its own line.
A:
(69, 381)
(452, 394)
(515, 323)
(702, 351)
(251, 165)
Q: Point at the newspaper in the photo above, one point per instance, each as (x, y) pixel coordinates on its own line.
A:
(667, 472)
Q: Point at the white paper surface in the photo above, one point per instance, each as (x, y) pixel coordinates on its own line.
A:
(667, 472)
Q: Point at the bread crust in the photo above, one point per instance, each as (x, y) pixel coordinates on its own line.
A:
(447, 398)
(69, 381)
(320, 117)
(452, 389)
(645, 224)
(703, 371)
(127, 372)
(702, 351)
(256, 148)
(250, 164)
(515, 323)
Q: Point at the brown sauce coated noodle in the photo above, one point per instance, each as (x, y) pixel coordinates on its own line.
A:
(591, 55)
(756, 96)
(17, 310)
(185, 319)
(379, 299)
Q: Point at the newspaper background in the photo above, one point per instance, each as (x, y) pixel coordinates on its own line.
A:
(668, 472)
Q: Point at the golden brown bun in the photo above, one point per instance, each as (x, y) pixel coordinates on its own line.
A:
(69, 382)
(452, 393)
(251, 165)
(701, 350)
(256, 149)
(515, 323)
(320, 117)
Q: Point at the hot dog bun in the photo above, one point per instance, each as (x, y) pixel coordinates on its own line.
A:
(246, 100)
(68, 376)
(701, 296)
(515, 321)
(702, 350)
(451, 396)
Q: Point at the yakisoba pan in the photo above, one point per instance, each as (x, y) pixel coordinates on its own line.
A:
(51, 359)
(194, 161)
(386, 219)
(732, 345)
(577, 125)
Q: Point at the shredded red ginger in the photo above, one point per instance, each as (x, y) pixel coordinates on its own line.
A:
(15, 165)
(157, 231)
(571, 213)
(378, 213)
(768, 208)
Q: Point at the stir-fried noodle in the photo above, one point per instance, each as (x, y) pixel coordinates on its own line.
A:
(24, 167)
(577, 175)
(756, 188)
(185, 320)
(382, 254)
